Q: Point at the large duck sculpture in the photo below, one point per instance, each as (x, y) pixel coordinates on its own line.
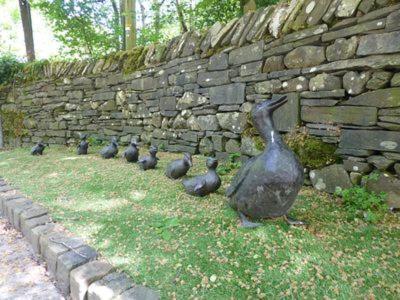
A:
(268, 184)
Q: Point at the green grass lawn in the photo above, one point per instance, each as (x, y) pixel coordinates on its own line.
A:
(187, 247)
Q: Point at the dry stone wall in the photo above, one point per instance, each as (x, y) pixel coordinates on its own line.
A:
(337, 60)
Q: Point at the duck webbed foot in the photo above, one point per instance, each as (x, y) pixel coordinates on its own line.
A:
(246, 223)
(293, 222)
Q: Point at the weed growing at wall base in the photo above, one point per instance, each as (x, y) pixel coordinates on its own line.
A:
(365, 205)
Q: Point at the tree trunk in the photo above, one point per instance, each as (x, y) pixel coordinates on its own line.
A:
(25, 11)
(157, 16)
(181, 17)
(142, 14)
(1, 134)
(130, 23)
(248, 5)
(116, 24)
(122, 20)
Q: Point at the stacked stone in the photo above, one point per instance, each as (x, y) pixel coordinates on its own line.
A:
(337, 60)
(70, 262)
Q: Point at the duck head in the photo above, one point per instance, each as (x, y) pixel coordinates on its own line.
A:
(262, 117)
(43, 145)
(212, 163)
(114, 142)
(266, 108)
(187, 158)
(153, 151)
(84, 137)
(134, 143)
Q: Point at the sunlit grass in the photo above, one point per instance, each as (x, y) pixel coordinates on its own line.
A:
(187, 247)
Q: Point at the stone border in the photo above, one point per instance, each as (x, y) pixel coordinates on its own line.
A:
(75, 266)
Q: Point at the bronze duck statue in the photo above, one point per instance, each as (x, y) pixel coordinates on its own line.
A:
(178, 168)
(149, 162)
(206, 184)
(39, 148)
(83, 146)
(131, 153)
(268, 184)
(111, 150)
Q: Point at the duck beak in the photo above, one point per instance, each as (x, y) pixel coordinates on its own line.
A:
(278, 103)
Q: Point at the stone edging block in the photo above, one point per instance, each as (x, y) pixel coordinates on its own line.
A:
(71, 262)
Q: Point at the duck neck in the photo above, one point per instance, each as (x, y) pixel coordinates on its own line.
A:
(212, 170)
(267, 130)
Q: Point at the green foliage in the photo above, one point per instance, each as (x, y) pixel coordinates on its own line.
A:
(12, 70)
(95, 141)
(161, 147)
(162, 25)
(312, 152)
(362, 204)
(203, 15)
(231, 164)
(9, 67)
(208, 12)
(263, 3)
(33, 70)
(86, 27)
(13, 124)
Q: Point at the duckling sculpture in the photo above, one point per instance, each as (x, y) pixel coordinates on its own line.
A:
(149, 162)
(39, 148)
(131, 153)
(206, 184)
(268, 184)
(111, 150)
(178, 168)
(83, 146)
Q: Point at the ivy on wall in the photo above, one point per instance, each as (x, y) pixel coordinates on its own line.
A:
(13, 125)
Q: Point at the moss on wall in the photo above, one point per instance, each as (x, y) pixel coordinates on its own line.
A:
(33, 71)
(133, 59)
(13, 124)
(312, 152)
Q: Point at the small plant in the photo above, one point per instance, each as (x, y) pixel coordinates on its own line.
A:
(362, 204)
(95, 141)
(162, 147)
(231, 164)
